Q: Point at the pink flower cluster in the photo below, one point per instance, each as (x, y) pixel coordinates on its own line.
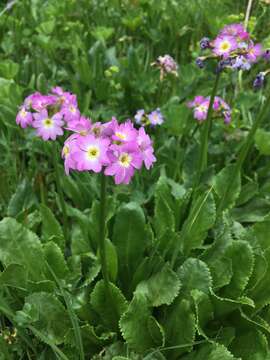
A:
(200, 106)
(49, 113)
(153, 118)
(118, 149)
(235, 47)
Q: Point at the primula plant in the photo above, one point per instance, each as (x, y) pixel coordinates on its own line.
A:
(135, 208)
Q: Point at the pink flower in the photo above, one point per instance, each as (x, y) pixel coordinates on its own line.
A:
(81, 126)
(69, 108)
(24, 118)
(254, 52)
(224, 45)
(124, 133)
(70, 146)
(198, 100)
(124, 160)
(236, 30)
(48, 127)
(39, 102)
(91, 153)
(145, 145)
(200, 112)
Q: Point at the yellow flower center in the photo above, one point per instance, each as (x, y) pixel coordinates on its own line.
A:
(93, 152)
(120, 135)
(23, 113)
(72, 109)
(66, 150)
(48, 123)
(125, 160)
(225, 46)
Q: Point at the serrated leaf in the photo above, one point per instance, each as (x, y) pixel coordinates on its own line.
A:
(109, 303)
(194, 274)
(161, 288)
(241, 255)
(56, 260)
(204, 310)
(180, 327)
(251, 345)
(47, 314)
(14, 275)
(134, 325)
(211, 352)
(224, 188)
(51, 229)
(201, 218)
(21, 246)
(130, 239)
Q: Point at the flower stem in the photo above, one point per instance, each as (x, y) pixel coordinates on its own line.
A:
(102, 228)
(244, 152)
(61, 196)
(205, 132)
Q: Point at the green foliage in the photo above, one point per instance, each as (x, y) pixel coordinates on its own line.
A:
(188, 258)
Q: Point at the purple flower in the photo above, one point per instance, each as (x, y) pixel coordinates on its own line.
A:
(145, 145)
(259, 81)
(124, 160)
(241, 62)
(91, 153)
(200, 111)
(224, 45)
(48, 127)
(24, 118)
(266, 55)
(205, 43)
(155, 117)
(139, 116)
(200, 63)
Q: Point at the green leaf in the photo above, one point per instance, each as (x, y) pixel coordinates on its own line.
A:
(112, 260)
(55, 259)
(262, 141)
(109, 303)
(14, 276)
(180, 327)
(211, 352)
(204, 310)
(194, 274)
(164, 216)
(21, 246)
(201, 218)
(221, 183)
(22, 199)
(241, 255)
(51, 229)
(251, 345)
(47, 314)
(161, 288)
(130, 239)
(137, 328)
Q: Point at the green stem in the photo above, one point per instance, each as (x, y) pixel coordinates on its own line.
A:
(205, 132)
(61, 195)
(102, 228)
(244, 152)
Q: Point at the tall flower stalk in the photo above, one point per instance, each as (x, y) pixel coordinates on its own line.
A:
(102, 228)
(61, 195)
(205, 132)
